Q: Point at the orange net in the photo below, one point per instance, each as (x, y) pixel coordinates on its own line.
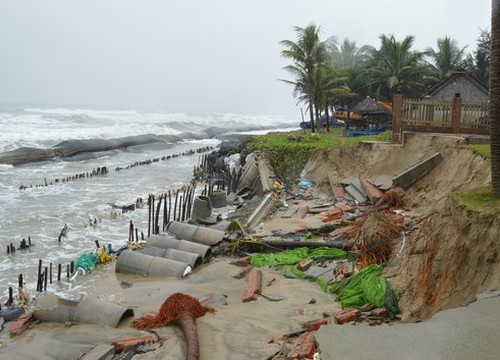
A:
(175, 307)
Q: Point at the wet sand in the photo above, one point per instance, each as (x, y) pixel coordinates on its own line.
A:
(237, 330)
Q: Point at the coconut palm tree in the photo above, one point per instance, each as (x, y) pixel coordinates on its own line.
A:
(447, 58)
(495, 96)
(395, 65)
(348, 54)
(307, 53)
(327, 84)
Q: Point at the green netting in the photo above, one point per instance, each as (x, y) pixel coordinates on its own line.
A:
(292, 257)
(366, 286)
(86, 262)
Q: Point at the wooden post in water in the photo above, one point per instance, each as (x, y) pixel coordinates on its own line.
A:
(179, 214)
(184, 206)
(149, 215)
(45, 277)
(39, 278)
(164, 212)
(67, 271)
(169, 206)
(72, 267)
(20, 281)
(131, 231)
(175, 204)
(152, 214)
(59, 272)
(157, 217)
(50, 272)
(10, 300)
(136, 235)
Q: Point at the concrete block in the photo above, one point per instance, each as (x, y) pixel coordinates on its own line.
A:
(414, 173)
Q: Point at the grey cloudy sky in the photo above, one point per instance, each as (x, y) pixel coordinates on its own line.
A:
(194, 56)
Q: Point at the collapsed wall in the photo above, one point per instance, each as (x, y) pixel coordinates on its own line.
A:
(453, 255)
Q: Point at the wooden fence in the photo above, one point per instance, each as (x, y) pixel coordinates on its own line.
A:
(425, 115)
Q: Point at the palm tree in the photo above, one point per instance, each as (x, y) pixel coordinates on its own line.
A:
(495, 96)
(327, 84)
(395, 65)
(348, 54)
(307, 53)
(447, 58)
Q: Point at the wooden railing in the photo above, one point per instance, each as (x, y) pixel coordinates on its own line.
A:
(426, 112)
(425, 115)
(475, 116)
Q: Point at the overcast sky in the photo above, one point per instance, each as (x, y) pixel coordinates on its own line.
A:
(194, 56)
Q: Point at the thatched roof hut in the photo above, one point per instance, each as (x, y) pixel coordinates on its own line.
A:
(369, 106)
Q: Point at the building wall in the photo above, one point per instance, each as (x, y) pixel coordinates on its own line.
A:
(469, 92)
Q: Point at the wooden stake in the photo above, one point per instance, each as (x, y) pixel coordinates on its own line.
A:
(45, 277)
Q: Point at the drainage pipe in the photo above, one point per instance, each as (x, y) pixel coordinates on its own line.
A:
(173, 254)
(197, 234)
(165, 242)
(132, 262)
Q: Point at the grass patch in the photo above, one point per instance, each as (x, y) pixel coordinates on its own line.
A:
(482, 149)
(480, 200)
(289, 151)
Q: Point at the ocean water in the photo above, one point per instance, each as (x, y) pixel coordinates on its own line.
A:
(40, 212)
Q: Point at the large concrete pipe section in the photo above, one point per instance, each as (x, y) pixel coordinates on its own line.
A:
(202, 207)
(173, 254)
(218, 198)
(88, 310)
(197, 234)
(132, 262)
(165, 242)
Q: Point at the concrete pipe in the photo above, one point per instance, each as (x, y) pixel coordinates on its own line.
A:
(202, 207)
(197, 234)
(200, 249)
(189, 258)
(153, 251)
(218, 199)
(165, 242)
(173, 254)
(132, 262)
(88, 310)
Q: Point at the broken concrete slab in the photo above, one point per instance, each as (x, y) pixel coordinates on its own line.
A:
(356, 182)
(355, 194)
(383, 182)
(268, 203)
(414, 173)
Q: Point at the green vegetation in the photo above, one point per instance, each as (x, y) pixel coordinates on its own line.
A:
(289, 151)
(326, 75)
(482, 149)
(480, 200)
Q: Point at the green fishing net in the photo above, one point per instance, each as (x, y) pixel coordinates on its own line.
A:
(292, 257)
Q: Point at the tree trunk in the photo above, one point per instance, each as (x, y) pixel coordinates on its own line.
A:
(327, 119)
(495, 96)
(311, 113)
(316, 111)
